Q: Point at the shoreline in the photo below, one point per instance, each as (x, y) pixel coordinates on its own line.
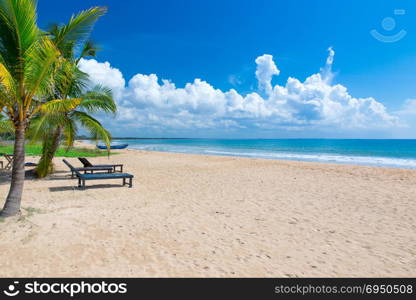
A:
(209, 216)
(375, 160)
(281, 161)
(84, 143)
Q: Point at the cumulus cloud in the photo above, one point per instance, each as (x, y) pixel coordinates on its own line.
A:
(153, 103)
(104, 74)
(266, 68)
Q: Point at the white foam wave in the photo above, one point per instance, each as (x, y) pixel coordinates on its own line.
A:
(361, 160)
(319, 157)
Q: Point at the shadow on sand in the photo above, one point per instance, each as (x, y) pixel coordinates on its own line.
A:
(5, 177)
(76, 188)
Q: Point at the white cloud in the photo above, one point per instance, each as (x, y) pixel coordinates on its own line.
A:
(330, 58)
(234, 80)
(408, 109)
(266, 68)
(148, 102)
(104, 74)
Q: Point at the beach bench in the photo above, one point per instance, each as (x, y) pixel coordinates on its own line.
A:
(87, 164)
(97, 176)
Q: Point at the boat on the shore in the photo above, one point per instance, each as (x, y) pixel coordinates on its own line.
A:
(118, 146)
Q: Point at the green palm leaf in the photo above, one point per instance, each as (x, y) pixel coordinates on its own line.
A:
(89, 49)
(93, 126)
(59, 106)
(70, 80)
(99, 99)
(6, 79)
(70, 132)
(43, 124)
(38, 73)
(18, 32)
(7, 87)
(78, 28)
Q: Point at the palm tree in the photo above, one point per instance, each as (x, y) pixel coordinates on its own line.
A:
(71, 88)
(28, 60)
(50, 127)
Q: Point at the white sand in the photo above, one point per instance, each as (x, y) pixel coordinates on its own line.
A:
(192, 215)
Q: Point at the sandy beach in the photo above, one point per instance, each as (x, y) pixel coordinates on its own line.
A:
(206, 216)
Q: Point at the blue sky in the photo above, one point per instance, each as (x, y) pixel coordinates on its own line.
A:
(219, 42)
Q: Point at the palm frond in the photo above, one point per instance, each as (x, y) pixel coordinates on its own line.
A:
(18, 32)
(99, 99)
(6, 79)
(43, 124)
(70, 80)
(70, 131)
(37, 128)
(79, 27)
(59, 106)
(89, 49)
(7, 86)
(93, 126)
(38, 73)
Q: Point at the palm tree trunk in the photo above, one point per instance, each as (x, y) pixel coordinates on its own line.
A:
(12, 205)
(49, 147)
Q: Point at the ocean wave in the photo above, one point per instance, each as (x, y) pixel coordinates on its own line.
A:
(328, 158)
(316, 157)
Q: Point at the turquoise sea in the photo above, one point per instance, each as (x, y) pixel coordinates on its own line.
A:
(387, 153)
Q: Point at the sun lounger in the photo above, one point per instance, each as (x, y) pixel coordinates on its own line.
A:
(88, 169)
(87, 164)
(97, 176)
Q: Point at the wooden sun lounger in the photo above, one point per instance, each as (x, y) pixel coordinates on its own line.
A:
(97, 176)
(86, 170)
(87, 164)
